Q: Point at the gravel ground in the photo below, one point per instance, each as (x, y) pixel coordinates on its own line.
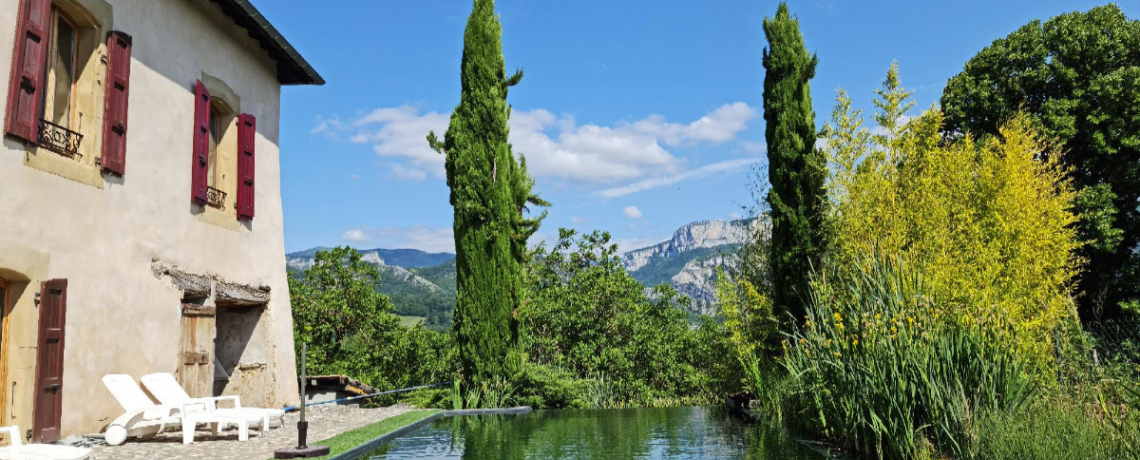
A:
(324, 422)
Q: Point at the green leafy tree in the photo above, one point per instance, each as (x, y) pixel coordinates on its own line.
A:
(490, 190)
(1078, 74)
(352, 330)
(590, 317)
(339, 314)
(796, 169)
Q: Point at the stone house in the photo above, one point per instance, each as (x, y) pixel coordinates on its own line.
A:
(140, 202)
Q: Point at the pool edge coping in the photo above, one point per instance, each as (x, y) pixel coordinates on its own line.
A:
(375, 443)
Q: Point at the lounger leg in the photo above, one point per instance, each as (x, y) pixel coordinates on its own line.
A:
(217, 428)
(188, 431)
(264, 424)
(243, 431)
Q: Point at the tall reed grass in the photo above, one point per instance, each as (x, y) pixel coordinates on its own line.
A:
(879, 369)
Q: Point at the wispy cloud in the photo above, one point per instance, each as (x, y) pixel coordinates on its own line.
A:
(430, 239)
(699, 173)
(555, 146)
(357, 235)
(632, 212)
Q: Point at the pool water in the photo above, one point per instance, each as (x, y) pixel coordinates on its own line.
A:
(617, 434)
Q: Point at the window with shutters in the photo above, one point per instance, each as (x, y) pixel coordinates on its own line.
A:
(222, 172)
(56, 104)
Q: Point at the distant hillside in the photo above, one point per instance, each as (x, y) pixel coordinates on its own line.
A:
(419, 283)
(406, 258)
(423, 284)
(442, 275)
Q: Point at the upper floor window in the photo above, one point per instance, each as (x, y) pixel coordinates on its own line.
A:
(69, 87)
(59, 99)
(223, 154)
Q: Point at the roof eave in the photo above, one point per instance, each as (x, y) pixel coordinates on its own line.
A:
(292, 69)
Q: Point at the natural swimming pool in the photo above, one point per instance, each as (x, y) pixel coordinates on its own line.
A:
(617, 434)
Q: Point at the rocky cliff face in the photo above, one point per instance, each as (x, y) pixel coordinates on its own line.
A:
(690, 259)
(703, 234)
(697, 279)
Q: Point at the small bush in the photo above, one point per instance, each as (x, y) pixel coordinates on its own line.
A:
(549, 387)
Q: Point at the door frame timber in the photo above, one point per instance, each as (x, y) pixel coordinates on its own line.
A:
(6, 308)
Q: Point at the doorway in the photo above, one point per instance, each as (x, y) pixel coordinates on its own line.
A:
(196, 369)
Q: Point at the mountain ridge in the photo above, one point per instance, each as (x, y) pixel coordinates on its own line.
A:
(423, 284)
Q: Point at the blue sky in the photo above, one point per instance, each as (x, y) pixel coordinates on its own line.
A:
(636, 116)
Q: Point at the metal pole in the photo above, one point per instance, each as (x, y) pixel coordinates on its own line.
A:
(304, 379)
(302, 450)
(303, 425)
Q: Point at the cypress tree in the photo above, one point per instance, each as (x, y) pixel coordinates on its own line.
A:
(490, 190)
(796, 169)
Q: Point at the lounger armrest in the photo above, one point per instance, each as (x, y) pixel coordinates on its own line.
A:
(196, 406)
(14, 438)
(214, 400)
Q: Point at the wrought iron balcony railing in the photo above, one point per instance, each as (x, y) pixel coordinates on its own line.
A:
(215, 198)
(59, 139)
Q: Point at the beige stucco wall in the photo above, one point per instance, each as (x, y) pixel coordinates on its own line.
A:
(121, 318)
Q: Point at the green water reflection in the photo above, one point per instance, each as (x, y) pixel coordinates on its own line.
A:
(678, 433)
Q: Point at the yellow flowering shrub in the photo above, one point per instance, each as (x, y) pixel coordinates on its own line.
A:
(748, 317)
(988, 222)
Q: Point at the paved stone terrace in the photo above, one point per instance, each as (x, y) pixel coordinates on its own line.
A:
(324, 422)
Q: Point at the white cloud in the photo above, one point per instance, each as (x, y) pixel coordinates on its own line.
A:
(554, 146)
(629, 244)
(736, 216)
(632, 212)
(328, 127)
(357, 235)
(424, 238)
(661, 181)
(401, 133)
(579, 220)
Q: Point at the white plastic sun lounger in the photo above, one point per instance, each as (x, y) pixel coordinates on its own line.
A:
(143, 418)
(165, 387)
(17, 450)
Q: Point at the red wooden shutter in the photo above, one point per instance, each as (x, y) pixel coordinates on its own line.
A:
(247, 138)
(115, 104)
(25, 90)
(48, 404)
(201, 166)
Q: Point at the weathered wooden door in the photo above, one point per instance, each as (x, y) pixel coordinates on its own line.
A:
(48, 407)
(196, 372)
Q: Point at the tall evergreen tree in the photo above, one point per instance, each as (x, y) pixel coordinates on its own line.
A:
(490, 191)
(796, 169)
